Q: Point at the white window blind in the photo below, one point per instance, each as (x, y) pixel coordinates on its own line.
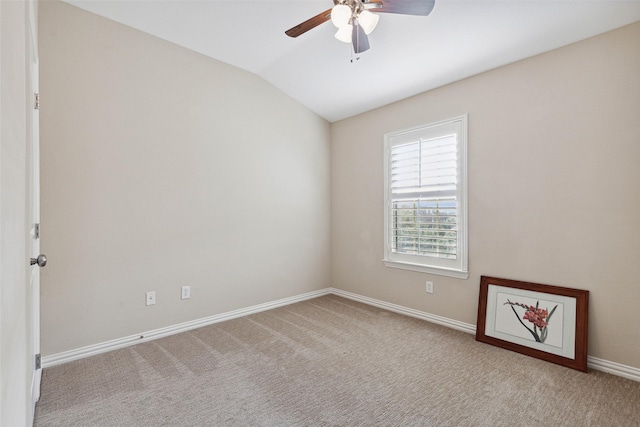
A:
(423, 189)
(425, 217)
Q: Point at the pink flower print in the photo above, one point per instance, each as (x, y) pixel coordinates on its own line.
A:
(538, 316)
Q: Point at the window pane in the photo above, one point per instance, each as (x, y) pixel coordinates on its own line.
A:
(425, 227)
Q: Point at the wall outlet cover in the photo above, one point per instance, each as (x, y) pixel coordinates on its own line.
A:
(151, 298)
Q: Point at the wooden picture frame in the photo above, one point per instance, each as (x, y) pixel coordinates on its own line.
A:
(542, 321)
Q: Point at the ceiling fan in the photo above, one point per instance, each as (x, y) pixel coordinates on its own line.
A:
(354, 19)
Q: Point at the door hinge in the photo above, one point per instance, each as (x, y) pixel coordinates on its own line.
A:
(36, 102)
(36, 231)
(38, 361)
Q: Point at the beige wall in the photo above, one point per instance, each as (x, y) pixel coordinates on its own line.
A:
(163, 168)
(554, 154)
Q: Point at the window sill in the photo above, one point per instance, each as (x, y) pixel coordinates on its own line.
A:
(458, 274)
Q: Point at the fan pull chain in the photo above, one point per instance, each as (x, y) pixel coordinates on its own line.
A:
(357, 55)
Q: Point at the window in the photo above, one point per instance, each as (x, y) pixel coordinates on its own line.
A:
(426, 198)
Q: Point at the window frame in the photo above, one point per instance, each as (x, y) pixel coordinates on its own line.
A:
(459, 268)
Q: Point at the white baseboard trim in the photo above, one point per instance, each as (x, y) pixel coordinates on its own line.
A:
(453, 324)
(92, 350)
(614, 368)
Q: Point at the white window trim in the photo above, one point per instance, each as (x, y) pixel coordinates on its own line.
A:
(405, 262)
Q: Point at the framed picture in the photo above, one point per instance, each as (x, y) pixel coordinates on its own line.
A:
(542, 321)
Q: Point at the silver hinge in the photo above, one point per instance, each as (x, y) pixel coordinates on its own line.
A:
(38, 361)
(36, 103)
(36, 231)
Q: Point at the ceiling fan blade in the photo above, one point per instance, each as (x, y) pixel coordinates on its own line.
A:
(359, 39)
(404, 7)
(309, 24)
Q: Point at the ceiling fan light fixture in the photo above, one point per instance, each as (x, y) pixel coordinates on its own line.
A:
(368, 21)
(355, 21)
(340, 15)
(344, 33)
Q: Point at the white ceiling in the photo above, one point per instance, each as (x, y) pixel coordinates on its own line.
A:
(408, 55)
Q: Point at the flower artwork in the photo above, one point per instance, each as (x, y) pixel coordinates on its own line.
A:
(538, 319)
(550, 321)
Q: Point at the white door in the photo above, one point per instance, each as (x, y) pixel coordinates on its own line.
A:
(34, 204)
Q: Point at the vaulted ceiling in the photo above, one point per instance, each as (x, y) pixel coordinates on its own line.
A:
(408, 55)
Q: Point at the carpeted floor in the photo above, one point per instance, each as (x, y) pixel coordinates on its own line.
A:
(328, 361)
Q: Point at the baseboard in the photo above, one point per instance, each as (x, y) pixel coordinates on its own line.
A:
(453, 324)
(92, 350)
(613, 368)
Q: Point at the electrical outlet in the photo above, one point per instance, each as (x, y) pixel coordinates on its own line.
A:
(429, 288)
(186, 292)
(151, 298)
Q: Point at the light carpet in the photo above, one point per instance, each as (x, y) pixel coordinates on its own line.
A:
(328, 361)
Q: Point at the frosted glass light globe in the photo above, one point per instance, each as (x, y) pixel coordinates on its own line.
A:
(340, 15)
(368, 21)
(344, 33)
